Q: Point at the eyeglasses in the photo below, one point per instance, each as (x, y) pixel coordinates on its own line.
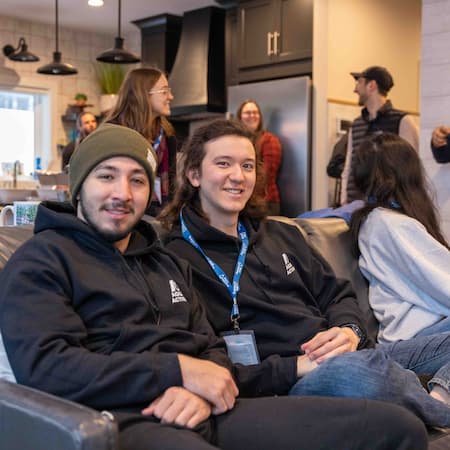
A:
(164, 91)
(250, 113)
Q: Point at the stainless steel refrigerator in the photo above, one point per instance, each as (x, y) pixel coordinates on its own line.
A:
(286, 108)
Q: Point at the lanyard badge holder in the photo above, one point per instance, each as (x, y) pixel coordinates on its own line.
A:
(241, 345)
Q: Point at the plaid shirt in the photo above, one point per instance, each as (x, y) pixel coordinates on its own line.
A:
(270, 149)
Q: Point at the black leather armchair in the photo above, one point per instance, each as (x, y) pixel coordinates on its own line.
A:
(31, 419)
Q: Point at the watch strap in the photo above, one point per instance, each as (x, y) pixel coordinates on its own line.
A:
(358, 331)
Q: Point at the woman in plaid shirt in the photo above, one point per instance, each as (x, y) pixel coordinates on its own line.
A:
(269, 148)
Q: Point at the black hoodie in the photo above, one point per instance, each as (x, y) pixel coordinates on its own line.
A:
(81, 320)
(288, 292)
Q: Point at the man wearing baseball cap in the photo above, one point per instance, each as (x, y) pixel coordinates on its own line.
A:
(94, 310)
(372, 86)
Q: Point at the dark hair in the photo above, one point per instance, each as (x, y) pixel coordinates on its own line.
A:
(389, 172)
(191, 158)
(133, 109)
(260, 128)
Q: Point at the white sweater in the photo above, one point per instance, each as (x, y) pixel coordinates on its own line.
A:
(408, 273)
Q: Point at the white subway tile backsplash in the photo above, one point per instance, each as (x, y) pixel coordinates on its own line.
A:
(7, 24)
(22, 27)
(79, 48)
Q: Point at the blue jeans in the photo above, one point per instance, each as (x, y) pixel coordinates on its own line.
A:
(440, 327)
(388, 373)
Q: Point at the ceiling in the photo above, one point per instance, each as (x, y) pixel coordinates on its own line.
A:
(78, 15)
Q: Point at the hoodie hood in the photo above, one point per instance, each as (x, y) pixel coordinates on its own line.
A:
(203, 232)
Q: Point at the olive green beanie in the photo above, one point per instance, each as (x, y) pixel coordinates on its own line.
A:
(109, 141)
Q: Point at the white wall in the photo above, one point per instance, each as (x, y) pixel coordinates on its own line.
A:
(78, 48)
(435, 96)
(350, 35)
(364, 33)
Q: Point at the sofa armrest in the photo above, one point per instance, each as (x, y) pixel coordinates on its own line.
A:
(31, 419)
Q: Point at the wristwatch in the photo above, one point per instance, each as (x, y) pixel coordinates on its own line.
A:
(358, 331)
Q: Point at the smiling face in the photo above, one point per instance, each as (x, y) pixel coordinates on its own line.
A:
(225, 180)
(113, 198)
(362, 89)
(160, 97)
(250, 116)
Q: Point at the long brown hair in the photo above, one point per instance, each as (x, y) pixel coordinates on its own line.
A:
(192, 156)
(133, 109)
(260, 128)
(389, 172)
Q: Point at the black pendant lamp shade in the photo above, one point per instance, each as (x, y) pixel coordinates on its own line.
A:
(56, 67)
(20, 53)
(118, 55)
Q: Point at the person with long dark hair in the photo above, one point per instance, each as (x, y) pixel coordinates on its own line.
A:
(269, 147)
(402, 251)
(143, 104)
(270, 294)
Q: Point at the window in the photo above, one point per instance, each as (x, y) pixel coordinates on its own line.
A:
(25, 136)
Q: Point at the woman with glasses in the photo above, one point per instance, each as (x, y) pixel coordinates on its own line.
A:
(402, 251)
(143, 104)
(269, 147)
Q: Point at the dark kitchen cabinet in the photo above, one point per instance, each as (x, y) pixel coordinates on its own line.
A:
(272, 33)
(160, 36)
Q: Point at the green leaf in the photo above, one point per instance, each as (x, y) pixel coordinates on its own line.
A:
(110, 77)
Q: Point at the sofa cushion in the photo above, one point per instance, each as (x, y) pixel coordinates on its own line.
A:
(10, 239)
(331, 237)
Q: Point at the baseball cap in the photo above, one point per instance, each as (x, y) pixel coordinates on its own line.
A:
(380, 74)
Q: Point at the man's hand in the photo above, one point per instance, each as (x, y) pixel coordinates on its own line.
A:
(210, 381)
(179, 406)
(439, 136)
(329, 343)
(304, 365)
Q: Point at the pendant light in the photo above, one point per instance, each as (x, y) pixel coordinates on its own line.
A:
(20, 53)
(56, 67)
(118, 55)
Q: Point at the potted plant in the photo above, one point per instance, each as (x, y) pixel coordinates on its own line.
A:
(110, 77)
(80, 99)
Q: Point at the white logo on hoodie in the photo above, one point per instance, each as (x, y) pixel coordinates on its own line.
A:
(287, 264)
(177, 295)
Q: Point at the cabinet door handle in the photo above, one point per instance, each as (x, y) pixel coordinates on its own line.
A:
(269, 43)
(276, 35)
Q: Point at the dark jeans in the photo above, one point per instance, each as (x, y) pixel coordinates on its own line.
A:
(284, 423)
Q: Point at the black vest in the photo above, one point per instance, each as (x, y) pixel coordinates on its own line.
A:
(387, 119)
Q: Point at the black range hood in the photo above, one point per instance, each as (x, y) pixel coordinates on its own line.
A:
(197, 78)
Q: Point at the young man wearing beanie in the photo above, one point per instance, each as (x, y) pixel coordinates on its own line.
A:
(94, 310)
(372, 86)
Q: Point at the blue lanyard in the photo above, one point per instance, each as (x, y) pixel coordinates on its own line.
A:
(158, 140)
(233, 288)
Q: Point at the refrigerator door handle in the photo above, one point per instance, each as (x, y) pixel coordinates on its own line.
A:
(269, 43)
(276, 35)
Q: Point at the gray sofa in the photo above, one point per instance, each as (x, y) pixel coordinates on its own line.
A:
(31, 419)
